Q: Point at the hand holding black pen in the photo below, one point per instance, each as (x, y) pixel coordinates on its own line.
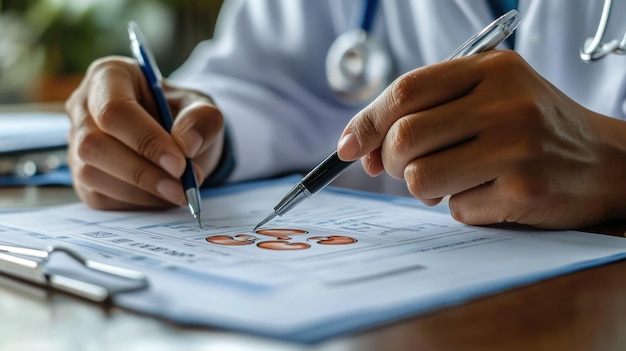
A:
(329, 169)
(142, 53)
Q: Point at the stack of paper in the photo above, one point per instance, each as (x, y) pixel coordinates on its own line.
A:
(23, 131)
(33, 148)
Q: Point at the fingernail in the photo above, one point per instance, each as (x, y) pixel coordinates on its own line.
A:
(172, 191)
(171, 164)
(348, 147)
(192, 140)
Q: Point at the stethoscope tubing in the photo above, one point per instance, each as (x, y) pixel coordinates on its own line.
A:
(593, 48)
(369, 12)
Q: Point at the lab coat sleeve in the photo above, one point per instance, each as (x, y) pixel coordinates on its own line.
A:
(264, 69)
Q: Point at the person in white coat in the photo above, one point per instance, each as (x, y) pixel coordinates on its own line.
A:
(532, 136)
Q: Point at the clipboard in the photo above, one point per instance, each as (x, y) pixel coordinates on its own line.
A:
(31, 265)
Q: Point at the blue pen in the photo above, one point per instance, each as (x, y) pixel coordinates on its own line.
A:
(142, 53)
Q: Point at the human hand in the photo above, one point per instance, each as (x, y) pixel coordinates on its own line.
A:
(500, 139)
(120, 157)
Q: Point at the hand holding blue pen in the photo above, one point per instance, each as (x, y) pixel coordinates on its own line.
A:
(142, 53)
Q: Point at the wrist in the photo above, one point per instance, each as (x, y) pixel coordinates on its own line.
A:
(613, 132)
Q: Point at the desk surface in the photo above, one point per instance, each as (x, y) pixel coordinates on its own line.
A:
(580, 311)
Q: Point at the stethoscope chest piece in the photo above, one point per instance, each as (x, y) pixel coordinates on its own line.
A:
(357, 67)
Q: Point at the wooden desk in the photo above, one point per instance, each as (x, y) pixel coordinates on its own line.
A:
(580, 311)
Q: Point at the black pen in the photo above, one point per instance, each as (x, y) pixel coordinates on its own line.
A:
(314, 181)
(487, 39)
(142, 53)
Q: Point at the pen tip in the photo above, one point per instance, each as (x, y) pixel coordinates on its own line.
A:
(193, 202)
(267, 219)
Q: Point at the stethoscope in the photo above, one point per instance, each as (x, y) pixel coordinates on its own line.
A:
(593, 48)
(357, 66)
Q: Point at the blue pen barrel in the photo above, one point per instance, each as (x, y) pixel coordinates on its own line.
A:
(146, 62)
(189, 176)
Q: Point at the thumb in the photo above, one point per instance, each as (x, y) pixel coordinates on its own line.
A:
(366, 130)
(199, 131)
(198, 123)
(197, 126)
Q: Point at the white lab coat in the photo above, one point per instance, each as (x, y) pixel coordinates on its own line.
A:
(265, 68)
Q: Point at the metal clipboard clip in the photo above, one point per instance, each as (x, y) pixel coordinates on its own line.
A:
(31, 265)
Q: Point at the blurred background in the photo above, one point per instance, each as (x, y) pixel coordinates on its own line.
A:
(46, 45)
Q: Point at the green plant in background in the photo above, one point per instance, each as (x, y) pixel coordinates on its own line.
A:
(44, 38)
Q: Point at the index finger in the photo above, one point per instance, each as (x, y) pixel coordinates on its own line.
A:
(121, 105)
(415, 91)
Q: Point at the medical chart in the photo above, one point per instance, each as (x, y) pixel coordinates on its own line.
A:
(339, 262)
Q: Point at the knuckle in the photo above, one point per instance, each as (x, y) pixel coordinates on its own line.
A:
(506, 60)
(457, 211)
(401, 91)
(83, 172)
(373, 123)
(528, 111)
(139, 177)
(524, 190)
(523, 154)
(98, 65)
(105, 70)
(367, 127)
(148, 145)
(105, 65)
(403, 137)
(416, 179)
(87, 145)
(527, 152)
(107, 114)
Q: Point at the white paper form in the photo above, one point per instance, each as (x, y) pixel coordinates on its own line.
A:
(340, 262)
